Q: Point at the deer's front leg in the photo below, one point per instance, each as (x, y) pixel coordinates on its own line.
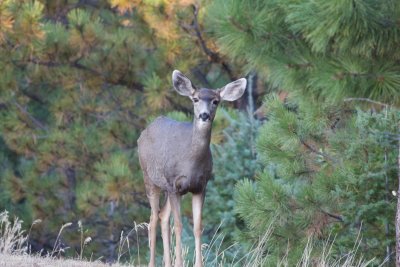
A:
(175, 201)
(197, 206)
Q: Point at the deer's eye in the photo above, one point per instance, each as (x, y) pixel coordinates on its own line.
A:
(215, 102)
(195, 100)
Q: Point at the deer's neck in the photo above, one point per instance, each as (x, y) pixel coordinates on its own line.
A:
(201, 137)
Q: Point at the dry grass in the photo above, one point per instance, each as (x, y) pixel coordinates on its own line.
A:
(14, 251)
(14, 247)
(12, 238)
(8, 260)
(257, 257)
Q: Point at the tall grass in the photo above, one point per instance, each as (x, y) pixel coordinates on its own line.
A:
(124, 244)
(12, 238)
(15, 249)
(14, 241)
(257, 255)
(312, 256)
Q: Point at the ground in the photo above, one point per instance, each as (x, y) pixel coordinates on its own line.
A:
(35, 261)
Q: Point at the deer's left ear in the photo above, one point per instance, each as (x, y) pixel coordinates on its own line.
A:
(182, 84)
(234, 90)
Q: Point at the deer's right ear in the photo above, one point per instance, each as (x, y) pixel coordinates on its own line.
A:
(182, 84)
(234, 90)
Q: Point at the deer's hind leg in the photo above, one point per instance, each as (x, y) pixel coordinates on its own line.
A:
(153, 194)
(175, 201)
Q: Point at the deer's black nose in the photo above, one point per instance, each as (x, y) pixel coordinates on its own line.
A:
(204, 116)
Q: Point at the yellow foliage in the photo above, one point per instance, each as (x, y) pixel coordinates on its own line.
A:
(90, 35)
(157, 100)
(93, 84)
(161, 24)
(29, 23)
(67, 82)
(164, 23)
(16, 186)
(185, 3)
(75, 39)
(126, 23)
(6, 22)
(119, 191)
(171, 6)
(158, 103)
(124, 5)
(32, 30)
(174, 50)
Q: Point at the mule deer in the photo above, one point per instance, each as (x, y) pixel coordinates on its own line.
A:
(175, 157)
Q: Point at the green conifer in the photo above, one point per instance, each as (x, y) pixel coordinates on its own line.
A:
(330, 167)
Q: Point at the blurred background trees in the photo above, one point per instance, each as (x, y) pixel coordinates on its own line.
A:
(79, 80)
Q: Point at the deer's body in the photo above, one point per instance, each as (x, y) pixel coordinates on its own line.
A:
(186, 171)
(175, 158)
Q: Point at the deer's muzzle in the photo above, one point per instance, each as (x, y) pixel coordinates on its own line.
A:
(204, 116)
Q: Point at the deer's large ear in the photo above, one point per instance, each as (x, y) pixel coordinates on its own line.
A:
(182, 84)
(234, 90)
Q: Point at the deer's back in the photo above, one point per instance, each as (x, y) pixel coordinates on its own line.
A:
(163, 148)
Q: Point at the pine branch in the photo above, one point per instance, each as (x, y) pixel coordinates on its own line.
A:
(239, 26)
(77, 65)
(179, 106)
(212, 55)
(129, 112)
(300, 66)
(33, 96)
(133, 85)
(61, 14)
(314, 150)
(366, 100)
(35, 121)
(337, 217)
(200, 76)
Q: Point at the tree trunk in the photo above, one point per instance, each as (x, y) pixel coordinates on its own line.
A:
(398, 209)
(71, 183)
(249, 98)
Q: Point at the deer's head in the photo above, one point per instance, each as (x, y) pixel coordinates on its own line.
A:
(205, 101)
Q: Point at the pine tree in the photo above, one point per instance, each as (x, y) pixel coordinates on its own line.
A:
(328, 49)
(323, 177)
(234, 158)
(78, 81)
(329, 166)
